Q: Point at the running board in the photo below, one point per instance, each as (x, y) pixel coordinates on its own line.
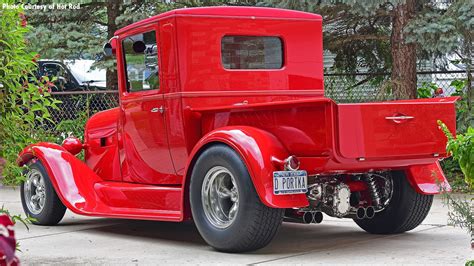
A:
(139, 201)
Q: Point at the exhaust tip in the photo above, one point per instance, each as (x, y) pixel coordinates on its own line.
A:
(307, 217)
(360, 213)
(370, 212)
(318, 217)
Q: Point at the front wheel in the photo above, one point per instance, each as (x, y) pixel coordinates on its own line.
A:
(405, 211)
(225, 206)
(38, 197)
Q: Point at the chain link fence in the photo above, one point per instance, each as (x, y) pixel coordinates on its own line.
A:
(76, 107)
(90, 102)
(367, 87)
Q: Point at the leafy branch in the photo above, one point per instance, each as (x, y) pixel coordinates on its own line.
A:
(17, 217)
(462, 149)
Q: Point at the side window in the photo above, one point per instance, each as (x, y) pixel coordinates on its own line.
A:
(141, 62)
(51, 70)
(252, 52)
(63, 81)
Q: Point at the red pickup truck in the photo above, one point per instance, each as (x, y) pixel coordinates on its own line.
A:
(223, 120)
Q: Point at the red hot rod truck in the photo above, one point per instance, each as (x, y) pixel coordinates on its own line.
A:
(223, 120)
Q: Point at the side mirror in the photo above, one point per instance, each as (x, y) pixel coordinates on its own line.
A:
(108, 49)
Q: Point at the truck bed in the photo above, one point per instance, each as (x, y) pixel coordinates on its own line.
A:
(404, 131)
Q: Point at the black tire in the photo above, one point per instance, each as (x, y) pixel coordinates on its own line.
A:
(53, 210)
(254, 225)
(406, 210)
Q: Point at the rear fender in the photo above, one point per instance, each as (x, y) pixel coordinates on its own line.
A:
(427, 179)
(71, 178)
(260, 151)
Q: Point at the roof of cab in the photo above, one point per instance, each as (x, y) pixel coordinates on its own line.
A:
(227, 11)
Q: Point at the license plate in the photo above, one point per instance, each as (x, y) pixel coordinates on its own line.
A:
(289, 182)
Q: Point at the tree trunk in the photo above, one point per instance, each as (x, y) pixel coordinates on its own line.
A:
(469, 90)
(403, 54)
(113, 11)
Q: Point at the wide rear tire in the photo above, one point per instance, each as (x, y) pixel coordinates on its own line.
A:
(246, 227)
(406, 210)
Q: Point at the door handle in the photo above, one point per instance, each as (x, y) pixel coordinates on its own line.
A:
(160, 109)
(398, 119)
(403, 117)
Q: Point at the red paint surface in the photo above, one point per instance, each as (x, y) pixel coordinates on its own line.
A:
(137, 162)
(356, 186)
(72, 145)
(84, 192)
(375, 135)
(428, 179)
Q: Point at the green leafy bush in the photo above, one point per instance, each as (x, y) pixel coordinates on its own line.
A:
(462, 150)
(426, 90)
(464, 114)
(464, 120)
(454, 175)
(24, 100)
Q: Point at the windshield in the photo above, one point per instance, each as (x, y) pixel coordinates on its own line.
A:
(81, 70)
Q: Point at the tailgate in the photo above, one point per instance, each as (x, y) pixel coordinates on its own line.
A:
(395, 129)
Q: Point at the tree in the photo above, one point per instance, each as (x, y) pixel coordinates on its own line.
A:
(74, 34)
(24, 101)
(362, 34)
(368, 34)
(80, 34)
(113, 11)
(403, 54)
(441, 30)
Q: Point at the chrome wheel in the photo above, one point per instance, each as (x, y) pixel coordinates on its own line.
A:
(35, 193)
(220, 197)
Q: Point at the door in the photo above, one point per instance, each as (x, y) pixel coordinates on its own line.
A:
(145, 156)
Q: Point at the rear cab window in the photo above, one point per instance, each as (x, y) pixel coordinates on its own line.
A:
(251, 52)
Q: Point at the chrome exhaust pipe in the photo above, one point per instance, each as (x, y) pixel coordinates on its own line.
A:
(317, 217)
(360, 213)
(307, 217)
(369, 212)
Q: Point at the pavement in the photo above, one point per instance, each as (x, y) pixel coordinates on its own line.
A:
(85, 240)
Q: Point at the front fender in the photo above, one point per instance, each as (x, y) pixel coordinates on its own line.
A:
(259, 151)
(71, 178)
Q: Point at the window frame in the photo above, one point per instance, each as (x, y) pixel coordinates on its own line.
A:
(141, 30)
(283, 53)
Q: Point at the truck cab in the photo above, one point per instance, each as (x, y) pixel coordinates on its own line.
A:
(223, 120)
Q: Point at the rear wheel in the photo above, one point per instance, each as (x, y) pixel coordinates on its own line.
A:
(406, 210)
(38, 197)
(225, 206)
